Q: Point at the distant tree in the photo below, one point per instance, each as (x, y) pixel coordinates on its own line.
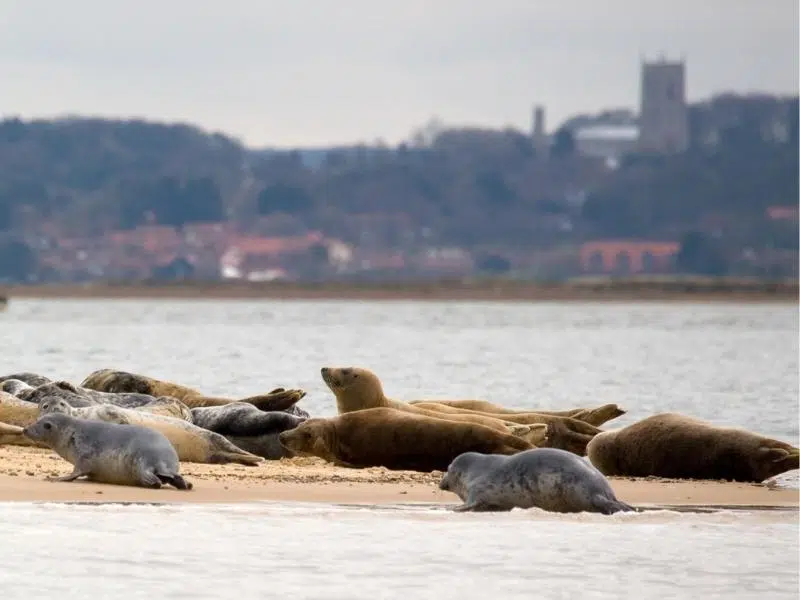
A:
(493, 263)
(283, 198)
(700, 255)
(563, 143)
(202, 202)
(494, 190)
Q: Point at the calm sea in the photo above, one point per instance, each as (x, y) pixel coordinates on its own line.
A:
(733, 364)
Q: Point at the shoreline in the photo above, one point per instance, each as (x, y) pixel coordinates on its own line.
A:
(23, 471)
(643, 289)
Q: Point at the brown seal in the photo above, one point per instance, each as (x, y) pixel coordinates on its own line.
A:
(677, 446)
(359, 389)
(395, 439)
(17, 413)
(593, 416)
(109, 380)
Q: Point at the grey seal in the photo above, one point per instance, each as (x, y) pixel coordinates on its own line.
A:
(192, 443)
(108, 452)
(80, 397)
(15, 387)
(547, 478)
(248, 427)
(32, 379)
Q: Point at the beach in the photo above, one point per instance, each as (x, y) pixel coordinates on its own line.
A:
(23, 471)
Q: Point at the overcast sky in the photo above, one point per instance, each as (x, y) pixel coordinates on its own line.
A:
(319, 72)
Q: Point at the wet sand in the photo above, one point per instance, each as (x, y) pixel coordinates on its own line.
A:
(23, 471)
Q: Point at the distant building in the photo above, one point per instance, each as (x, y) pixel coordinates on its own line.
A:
(664, 116)
(541, 142)
(610, 142)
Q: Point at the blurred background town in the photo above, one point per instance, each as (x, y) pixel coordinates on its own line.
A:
(660, 186)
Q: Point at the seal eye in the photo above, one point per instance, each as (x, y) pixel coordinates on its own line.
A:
(48, 426)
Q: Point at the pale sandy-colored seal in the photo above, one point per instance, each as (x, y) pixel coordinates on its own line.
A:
(17, 412)
(110, 380)
(110, 453)
(9, 433)
(546, 478)
(395, 439)
(248, 427)
(192, 443)
(677, 446)
(357, 389)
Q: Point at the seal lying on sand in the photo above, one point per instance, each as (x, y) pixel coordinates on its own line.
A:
(15, 387)
(109, 380)
(82, 397)
(357, 389)
(248, 427)
(676, 446)
(110, 453)
(32, 379)
(592, 416)
(399, 440)
(17, 412)
(9, 433)
(192, 443)
(546, 478)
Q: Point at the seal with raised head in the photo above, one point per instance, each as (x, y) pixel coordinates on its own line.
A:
(676, 446)
(395, 439)
(108, 452)
(547, 478)
(192, 443)
(110, 380)
(357, 389)
(32, 379)
(248, 427)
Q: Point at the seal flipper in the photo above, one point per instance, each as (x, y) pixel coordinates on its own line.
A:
(76, 472)
(479, 506)
(278, 399)
(609, 507)
(176, 481)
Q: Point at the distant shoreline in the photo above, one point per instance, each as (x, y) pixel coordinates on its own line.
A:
(667, 289)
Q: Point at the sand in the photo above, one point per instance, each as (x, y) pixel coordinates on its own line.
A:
(23, 471)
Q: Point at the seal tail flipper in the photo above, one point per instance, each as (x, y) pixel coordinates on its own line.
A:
(241, 458)
(277, 399)
(535, 435)
(609, 507)
(71, 477)
(600, 415)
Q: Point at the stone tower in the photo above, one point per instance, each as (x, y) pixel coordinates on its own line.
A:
(663, 118)
(539, 135)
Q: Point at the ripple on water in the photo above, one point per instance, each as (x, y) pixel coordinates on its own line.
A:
(421, 551)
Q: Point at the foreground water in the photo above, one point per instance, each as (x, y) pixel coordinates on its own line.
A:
(733, 364)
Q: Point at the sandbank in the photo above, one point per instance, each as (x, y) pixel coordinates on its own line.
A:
(23, 471)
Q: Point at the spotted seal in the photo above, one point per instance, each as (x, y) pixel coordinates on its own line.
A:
(192, 443)
(547, 478)
(109, 452)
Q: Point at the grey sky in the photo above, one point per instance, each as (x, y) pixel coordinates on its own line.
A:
(316, 72)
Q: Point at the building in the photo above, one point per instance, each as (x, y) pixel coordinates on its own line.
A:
(663, 116)
(541, 142)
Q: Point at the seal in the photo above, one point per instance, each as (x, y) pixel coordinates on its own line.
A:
(248, 427)
(9, 434)
(357, 389)
(676, 446)
(109, 380)
(395, 439)
(17, 412)
(593, 416)
(545, 478)
(82, 397)
(192, 443)
(110, 453)
(32, 379)
(15, 387)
